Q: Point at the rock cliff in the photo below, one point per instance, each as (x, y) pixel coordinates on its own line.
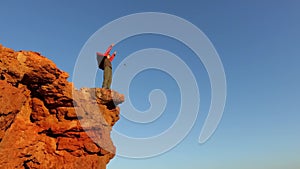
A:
(45, 122)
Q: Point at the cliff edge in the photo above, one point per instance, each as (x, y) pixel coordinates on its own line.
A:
(45, 122)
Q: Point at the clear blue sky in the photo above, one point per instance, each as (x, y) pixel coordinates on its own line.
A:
(258, 43)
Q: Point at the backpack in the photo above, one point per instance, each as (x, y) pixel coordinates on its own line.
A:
(100, 60)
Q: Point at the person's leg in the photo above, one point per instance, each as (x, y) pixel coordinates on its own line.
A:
(109, 78)
(105, 77)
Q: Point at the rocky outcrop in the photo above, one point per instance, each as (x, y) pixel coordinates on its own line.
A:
(45, 122)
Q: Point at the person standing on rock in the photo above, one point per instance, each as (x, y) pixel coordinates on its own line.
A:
(104, 63)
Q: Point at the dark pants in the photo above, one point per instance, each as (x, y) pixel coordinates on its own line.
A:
(107, 77)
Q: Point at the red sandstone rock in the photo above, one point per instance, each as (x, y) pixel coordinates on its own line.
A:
(46, 123)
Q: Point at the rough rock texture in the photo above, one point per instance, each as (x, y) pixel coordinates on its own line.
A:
(45, 122)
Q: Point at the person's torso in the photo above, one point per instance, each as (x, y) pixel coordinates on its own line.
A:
(107, 62)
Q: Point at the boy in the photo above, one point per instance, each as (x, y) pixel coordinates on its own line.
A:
(104, 62)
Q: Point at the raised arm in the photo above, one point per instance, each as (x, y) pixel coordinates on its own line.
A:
(112, 56)
(108, 50)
